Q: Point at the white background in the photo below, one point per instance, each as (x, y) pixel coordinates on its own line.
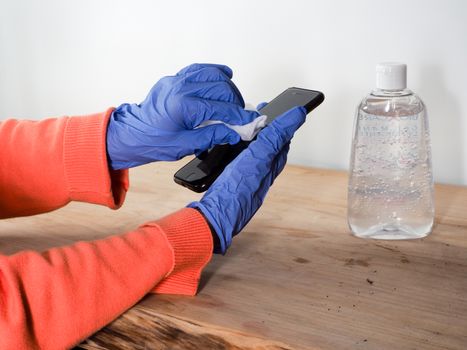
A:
(75, 57)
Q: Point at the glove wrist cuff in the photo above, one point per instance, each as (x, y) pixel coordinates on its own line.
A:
(220, 242)
(215, 237)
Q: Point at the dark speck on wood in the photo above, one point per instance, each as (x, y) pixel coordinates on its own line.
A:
(301, 260)
(369, 281)
(387, 248)
(352, 261)
(404, 260)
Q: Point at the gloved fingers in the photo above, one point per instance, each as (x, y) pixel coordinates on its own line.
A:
(206, 74)
(206, 137)
(280, 161)
(224, 91)
(213, 74)
(266, 172)
(275, 167)
(199, 110)
(198, 66)
(261, 105)
(281, 130)
(270, 175)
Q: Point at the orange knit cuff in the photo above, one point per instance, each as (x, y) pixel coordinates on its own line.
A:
(191, 240)
(88, 175)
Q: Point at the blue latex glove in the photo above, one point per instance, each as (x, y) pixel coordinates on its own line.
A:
(239, 191)
(164, 125)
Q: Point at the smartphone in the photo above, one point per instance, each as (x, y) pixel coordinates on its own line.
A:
(203, 170)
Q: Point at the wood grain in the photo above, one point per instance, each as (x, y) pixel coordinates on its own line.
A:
(143, 328)
(295, 275)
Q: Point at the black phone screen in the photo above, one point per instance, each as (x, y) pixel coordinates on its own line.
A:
(290, 98)
(203, 170)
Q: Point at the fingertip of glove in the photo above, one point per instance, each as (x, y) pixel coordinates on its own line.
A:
(250, 115)
(261, 105)
(298, 113)
(292, 117)
(226, 135)
(206, 67)
(228, 71)
(285, 125)
(234, 139)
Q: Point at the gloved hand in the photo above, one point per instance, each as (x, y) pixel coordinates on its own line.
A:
(239, 191)
(164, 125)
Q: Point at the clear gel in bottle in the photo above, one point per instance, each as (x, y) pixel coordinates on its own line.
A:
(390, 193)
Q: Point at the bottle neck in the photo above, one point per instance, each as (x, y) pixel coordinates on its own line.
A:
(391, 93)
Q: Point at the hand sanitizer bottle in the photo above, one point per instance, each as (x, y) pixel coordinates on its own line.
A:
(390, 194)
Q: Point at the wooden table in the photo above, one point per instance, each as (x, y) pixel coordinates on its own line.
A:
(293, 279)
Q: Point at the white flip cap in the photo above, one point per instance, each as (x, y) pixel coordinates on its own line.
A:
(391, 76)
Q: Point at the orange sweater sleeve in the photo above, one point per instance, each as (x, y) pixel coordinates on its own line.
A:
(55, 299)
(46, 164)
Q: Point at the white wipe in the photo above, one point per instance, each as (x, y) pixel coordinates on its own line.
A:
(247, 132)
